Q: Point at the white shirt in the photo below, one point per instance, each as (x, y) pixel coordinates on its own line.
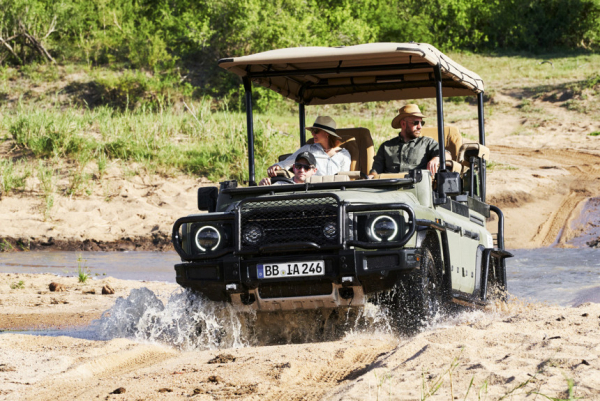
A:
(325, 165)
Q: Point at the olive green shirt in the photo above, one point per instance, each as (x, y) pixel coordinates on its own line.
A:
(395, 155)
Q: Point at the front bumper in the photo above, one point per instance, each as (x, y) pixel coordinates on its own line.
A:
(349, 276)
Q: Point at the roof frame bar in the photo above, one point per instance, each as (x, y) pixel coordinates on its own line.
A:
(480, 120)
(250, 131)
(336, 70)
(447, 83)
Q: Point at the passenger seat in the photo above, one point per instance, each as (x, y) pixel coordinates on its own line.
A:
(358, 142)
(453, 144)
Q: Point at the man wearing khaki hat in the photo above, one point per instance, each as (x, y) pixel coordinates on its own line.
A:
(409, 150)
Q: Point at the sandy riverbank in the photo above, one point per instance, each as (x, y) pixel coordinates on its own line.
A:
(515, 350)
(542, 178)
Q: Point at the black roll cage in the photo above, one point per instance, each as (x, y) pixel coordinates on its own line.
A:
(438, 82)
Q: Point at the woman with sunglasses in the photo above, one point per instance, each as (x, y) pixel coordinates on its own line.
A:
(330, 157)
(409, 150)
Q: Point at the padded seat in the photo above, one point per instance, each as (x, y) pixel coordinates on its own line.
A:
(451, 135)
(358, 142)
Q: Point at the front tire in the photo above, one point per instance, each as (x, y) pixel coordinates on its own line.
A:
(417, 298)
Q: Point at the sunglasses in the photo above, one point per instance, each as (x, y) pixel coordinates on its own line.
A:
(415, 123)
(304, 167)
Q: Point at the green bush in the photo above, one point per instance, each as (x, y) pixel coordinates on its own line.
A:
(167, 37)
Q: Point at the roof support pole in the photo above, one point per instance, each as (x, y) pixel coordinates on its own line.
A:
(439, 100)
(250, 130)
(480, 118)
(302, 117)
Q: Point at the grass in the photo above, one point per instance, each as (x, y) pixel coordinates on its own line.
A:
(6, 246)
(13, 175)
(595, 133)
(47, 187)
(73, 129)
(492, 165)
(432, 385)
(505, 71)
(19, 285)
(570, 392)
(82, 270)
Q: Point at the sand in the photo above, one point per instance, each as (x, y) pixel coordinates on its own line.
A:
(543, 181)
(514, 350)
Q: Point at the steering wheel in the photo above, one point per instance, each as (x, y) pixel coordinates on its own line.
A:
(278, 178)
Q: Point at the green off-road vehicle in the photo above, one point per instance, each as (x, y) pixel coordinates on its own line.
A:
(339, 241)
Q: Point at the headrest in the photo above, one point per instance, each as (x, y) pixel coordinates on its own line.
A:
(366, 150)
(472, 149)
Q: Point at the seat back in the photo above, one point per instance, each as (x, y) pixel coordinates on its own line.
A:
(472, 149)
(451, 135)
(358, 142)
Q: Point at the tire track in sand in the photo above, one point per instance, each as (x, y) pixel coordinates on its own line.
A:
(311, 381)
(72, 384)
(582, 183)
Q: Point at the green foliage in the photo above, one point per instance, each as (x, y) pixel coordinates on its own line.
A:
(47, 187)
(595, 133)
(83, 272)
(6, 246)
(19, 285)
(46, 136)
(13, 175)
(182, 40)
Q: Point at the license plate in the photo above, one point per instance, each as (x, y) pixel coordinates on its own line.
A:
(291, 269)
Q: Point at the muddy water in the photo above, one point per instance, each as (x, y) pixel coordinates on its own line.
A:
(186, 321)
(557, 276)
(147, 266)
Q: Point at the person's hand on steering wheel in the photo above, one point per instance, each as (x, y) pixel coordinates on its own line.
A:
(271, 171)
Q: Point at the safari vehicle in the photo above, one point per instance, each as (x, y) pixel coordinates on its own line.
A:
(413, 240)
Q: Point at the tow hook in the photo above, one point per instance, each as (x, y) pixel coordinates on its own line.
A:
(346, 293)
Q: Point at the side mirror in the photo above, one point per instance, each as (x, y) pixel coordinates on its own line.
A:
(207, 198)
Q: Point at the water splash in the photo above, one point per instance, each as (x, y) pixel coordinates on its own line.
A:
(187, 321)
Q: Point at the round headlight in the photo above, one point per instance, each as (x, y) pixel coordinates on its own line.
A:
(252, 234)
(208, 238)
(384, 228)
(330, 230)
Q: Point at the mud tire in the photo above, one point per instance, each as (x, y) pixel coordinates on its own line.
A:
(417, 298)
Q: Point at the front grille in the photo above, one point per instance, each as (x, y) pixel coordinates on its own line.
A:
(294, 289)
(287, 220)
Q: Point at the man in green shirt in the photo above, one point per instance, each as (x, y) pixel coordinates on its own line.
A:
(409, 150)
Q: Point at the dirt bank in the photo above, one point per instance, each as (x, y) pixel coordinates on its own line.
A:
(515, 350)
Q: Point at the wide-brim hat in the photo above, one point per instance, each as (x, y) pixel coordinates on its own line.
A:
(325, 123)
(406, 111)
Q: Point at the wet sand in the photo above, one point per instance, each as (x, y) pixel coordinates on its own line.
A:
(514, 350)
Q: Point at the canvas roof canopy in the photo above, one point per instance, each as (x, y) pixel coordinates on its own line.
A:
(362, 73)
